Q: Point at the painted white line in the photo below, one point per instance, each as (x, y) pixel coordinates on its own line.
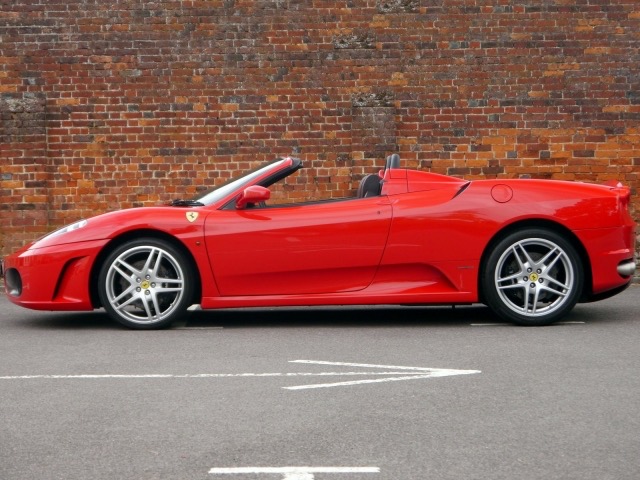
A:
(286, 470)
(369, 365)
(393, 374)
(292, 473)
(196, 375)
(420, 372)
(359, 382)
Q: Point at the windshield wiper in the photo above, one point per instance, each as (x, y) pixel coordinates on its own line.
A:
(178, 202)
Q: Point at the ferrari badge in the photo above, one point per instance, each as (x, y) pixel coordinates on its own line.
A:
(191, 216)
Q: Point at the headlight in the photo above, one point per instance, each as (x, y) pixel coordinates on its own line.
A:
(68, 228)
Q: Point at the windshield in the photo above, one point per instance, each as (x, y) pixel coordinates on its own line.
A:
(221, 191)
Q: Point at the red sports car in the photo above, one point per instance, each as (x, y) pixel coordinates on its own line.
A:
(529, 249)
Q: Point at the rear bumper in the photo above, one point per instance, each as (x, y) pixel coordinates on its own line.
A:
(627, 268)
(611, 254)
(607, 294)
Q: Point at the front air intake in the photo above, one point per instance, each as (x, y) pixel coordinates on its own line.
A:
(13, 282)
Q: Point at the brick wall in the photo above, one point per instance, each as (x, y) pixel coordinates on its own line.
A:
(106, 105)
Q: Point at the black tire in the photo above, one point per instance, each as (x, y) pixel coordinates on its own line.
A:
(532, 277)
(146, 284)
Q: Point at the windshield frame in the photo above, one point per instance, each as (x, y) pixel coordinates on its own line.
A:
(236, 184)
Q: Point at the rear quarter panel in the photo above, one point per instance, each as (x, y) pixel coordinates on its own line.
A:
(451, 234)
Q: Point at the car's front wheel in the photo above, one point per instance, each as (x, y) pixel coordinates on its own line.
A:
(532, 277)
(145, 284)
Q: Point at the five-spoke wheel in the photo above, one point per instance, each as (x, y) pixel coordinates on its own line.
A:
(532, 277)
(145, 284)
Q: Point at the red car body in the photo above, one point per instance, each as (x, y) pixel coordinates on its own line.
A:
(419, 238)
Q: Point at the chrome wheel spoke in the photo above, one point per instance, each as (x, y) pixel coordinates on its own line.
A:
(169, 284)
(156, 305)
(553, 291)
(516, 256)
(157, 264)
(560, 256)
(534, 303)
(509, 279)
(511, 286)
(147, 263)
(525, 306)
(121, 306)
(145, 304)
(528, 261)
(563, 286)
(130, 277)
(128, 291)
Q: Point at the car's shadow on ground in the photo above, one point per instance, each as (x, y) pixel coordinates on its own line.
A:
(340, 317)
(302, 317)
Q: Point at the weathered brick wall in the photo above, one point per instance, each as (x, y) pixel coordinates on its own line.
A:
(24, 171)
(115, 104)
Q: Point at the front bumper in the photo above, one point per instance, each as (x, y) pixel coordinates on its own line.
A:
(52, 278)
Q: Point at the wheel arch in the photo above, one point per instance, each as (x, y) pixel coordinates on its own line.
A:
(133, 235)
(546, 224)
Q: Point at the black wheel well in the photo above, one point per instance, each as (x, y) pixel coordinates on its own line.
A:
(133, 235)
(549, 225)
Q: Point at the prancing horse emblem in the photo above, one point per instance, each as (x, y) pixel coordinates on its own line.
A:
(191, 216)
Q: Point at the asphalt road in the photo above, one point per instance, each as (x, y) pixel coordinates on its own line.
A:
(82, 398)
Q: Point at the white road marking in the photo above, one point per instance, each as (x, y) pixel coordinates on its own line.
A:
(420, 372)
(391, 373)
(369, 365)
(192, 375)
(292, 473)
(360, 382)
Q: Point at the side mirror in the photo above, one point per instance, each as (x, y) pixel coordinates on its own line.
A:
(253, 194)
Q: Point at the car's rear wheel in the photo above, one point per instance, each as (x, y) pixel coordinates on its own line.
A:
(532, 277)
(145, 284)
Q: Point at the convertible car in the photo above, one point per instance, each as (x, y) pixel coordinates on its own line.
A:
(529, 249)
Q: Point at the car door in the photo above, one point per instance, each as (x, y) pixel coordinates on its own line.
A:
(324, 247)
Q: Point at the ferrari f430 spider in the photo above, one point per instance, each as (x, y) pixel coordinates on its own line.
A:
(529, 249)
